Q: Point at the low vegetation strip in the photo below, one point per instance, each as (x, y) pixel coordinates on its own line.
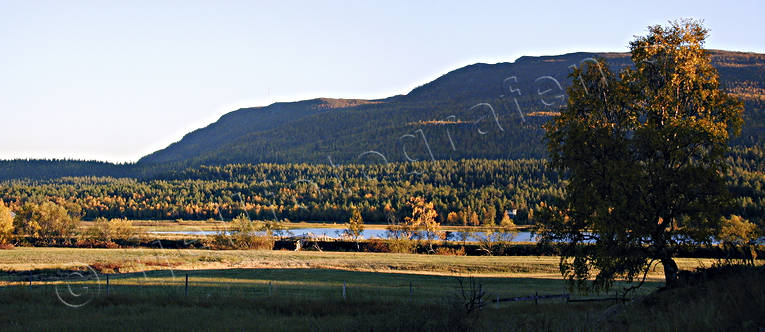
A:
(328, 300)
(40, 260)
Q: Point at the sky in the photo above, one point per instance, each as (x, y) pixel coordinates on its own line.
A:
(102, 80)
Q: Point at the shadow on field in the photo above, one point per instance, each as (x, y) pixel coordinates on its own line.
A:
(265, 299)
(291, 281)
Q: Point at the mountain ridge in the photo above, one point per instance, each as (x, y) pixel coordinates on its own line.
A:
(278, 132)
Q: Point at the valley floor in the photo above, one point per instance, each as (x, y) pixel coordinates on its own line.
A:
(287, 290)
(127, 260)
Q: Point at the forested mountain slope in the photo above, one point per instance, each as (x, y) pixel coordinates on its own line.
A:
(470, 112)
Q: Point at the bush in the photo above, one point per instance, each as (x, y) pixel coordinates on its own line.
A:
(109, 230)
(47, 221)
(403, 246)
(93, 243)
(738, 237)
(223, 241)
(243, 234)
(377, 245)
(6, 225)
(446, 251)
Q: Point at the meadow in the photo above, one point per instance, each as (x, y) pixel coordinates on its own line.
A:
(37, 259)
(287, 290)
(274, 299)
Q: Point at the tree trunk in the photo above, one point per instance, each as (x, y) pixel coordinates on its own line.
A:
(670, 272)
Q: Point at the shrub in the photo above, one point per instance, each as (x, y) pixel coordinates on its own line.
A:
(46, 221)
(93, 243)
(223, 241)
(6, 224)
(400, 245)
(446, 251)
(110, 230)
(377, 245)
(738, 237)
(243, 234)
(403, 246)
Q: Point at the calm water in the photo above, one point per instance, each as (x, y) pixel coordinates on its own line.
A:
(370, 234)
(335, 233)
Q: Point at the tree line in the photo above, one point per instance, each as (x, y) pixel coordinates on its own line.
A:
(465, 192)
(468, 192)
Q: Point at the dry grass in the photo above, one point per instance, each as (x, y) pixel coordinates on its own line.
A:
(143, 259)
(278, 290)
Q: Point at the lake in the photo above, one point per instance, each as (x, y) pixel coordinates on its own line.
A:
(336, 233)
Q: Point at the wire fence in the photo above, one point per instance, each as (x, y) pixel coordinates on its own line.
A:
(195, 284)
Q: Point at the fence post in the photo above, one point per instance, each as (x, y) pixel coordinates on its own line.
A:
(107, 285)
(343, 291)
(536, 297)
(186, 290)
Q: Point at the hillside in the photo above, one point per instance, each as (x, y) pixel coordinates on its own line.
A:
(342, 130)
(437, 120)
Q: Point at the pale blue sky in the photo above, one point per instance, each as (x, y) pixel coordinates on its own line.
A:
(95, 80)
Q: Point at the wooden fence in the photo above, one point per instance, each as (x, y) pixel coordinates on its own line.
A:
(536, 297)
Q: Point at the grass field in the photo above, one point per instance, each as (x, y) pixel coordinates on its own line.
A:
(270, 299)
(273, 290)
(142, 259)
(283, 290)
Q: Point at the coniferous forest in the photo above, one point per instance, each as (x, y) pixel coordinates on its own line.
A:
(464, 192)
